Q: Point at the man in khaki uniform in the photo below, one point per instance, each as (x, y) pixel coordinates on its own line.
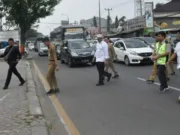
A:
(112, 55)
(52, 66)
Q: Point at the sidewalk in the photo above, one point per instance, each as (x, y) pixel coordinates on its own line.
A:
(15, 118)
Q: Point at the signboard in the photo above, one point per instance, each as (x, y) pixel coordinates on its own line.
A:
(149, 14)
(74, 30)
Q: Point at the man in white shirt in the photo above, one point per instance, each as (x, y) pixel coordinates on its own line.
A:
(102, 57)
(176, 54)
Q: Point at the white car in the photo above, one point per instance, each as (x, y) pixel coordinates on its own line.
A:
(31, 47)
(132, 51)
(2, 50)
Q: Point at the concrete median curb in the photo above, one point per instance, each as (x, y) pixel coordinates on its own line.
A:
(34, 104)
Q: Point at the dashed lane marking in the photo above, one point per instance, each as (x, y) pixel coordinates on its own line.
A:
(171, 87)
(66, 121)
(4, 97)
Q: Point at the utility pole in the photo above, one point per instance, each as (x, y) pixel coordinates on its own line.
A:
(108, 10)
(140, 3)
(99, 16)
(108, 21)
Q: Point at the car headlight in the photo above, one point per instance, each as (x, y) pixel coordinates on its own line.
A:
(74, 54)
(93, 52)
(133, 53)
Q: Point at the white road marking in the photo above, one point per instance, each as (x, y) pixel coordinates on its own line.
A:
(4, 97)
(144, 80)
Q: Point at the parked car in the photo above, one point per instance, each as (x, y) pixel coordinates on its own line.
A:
(76, 52)
(31, 46)
(42, 50)
(148, 40)
(2, 50)
(132, 51)
(113, 40)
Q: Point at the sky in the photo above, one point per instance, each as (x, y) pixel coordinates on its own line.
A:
(76, 10)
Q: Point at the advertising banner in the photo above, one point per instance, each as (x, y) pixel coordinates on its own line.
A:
(149, 14)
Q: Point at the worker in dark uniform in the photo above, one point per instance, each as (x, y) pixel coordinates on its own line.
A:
(52, 66)
(13, 56)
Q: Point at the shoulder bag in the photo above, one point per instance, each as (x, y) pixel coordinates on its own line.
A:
(6, 58)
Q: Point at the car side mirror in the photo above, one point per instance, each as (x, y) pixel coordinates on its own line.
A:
(121, 48)
(65, 48)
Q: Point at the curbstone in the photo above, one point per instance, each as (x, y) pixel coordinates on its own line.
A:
(29, 57)
(35, 109)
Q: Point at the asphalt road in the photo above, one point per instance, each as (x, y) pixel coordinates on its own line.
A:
(124, 106)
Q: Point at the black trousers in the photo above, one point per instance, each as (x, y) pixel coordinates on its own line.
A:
(12, 69)
(162, 76)
(102, 73)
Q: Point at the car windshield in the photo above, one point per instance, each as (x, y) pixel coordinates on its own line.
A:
(149, 40)
(74, 35)
(42, 45)
(133, 43)
(78, 45)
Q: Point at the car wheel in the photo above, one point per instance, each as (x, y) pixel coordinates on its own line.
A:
(70, 63)
(126, 60)
(39, 54)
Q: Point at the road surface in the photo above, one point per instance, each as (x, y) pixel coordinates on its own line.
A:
(124, 106)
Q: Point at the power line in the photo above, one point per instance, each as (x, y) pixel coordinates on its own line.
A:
(49, 23)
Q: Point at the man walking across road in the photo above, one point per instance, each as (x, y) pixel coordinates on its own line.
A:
(102, 57)
(154, 69)
(12, 57)
(161, 57)
(52, 66)
(176, 54)
(112, 55)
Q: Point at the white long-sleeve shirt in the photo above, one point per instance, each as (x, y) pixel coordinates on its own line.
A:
(101, 52)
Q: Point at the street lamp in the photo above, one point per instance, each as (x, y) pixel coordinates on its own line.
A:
(66, 16)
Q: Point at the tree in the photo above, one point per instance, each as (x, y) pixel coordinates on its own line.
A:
(158, 5)
(32, 33)
(116, 22)
(94, 22)
(25, 13)
(108, 23)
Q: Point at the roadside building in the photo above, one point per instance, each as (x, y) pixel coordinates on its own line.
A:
(168, 14)
(89, 25)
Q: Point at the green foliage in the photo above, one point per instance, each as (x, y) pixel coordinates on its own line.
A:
(25, 13)
(94, 22)
(32, 33)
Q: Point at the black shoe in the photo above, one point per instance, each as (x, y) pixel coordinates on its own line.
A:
(22, 83)
(99, 84)
(173, 73)
(150, 81)
(115, 76)
(51, 91)
(109, 77)
(162, 90)
(57, 90)
(5, 87)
